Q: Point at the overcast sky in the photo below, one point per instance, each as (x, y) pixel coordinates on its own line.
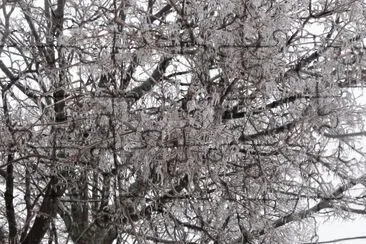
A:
(341, 229)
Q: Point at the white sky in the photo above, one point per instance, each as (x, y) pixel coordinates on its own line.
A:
(341, 229)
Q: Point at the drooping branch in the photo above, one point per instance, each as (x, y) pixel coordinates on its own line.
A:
(130, 70)
(14, 80)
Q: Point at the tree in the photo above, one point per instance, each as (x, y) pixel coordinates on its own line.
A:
(179, 121)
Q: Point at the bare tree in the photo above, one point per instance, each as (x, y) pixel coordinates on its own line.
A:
(177, 121)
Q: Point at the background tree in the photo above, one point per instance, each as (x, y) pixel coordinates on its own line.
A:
(179, 121)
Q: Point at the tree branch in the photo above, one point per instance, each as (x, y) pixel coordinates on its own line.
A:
(14, 80)
(323, 204)
(234, 114)
(273, 131)
(9, 180)
(340, 136)
(139, 91)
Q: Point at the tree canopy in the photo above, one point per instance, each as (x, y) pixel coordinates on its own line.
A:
(179, 121)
